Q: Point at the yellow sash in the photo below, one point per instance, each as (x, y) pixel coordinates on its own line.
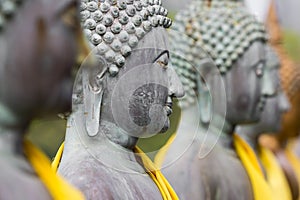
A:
(163, 185)
(276, 176)
(276, 187)
(56, 186)
(160, 156)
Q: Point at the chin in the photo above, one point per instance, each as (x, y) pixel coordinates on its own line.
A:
(256, 115)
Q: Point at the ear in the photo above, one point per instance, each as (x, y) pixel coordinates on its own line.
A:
(93, 75)
(205, 67)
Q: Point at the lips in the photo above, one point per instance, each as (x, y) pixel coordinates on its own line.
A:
(262, 103)
(169, 110)
(168, 106)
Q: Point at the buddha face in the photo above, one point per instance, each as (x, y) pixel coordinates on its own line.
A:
(41, 45)
(275, 106)
(139, 98)
(243, 85)
(276, 100)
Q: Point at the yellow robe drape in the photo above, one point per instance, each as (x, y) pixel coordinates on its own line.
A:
(56, 186)
(163, 185)
(276, 186)
(160, 156)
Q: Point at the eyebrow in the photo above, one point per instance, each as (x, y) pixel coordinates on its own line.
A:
(162, 53)
(258, 62)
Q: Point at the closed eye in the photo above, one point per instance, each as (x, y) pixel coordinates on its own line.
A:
(162, 64)
(259, 69)
(163, 59)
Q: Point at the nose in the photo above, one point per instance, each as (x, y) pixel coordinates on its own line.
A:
(268, 84)
(284, 103)
(175, 85)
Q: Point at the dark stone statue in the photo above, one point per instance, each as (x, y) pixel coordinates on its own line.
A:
(270, 121)
(127, 97)
(39, 42)
(201, 163)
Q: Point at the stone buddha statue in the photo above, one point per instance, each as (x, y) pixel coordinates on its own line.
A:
(271, 177)
(128, 96)
(39, 43)
(226, 95)
(282, 142)
(289, 75)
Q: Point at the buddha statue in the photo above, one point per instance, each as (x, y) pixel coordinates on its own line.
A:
(39, 43)
(226, 90)
(264, 171)
(128, 96)
(289, 75)
(283, 142)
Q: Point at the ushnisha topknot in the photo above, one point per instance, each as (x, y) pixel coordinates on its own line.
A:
(8, 8)
(115, 27)
(221, 29)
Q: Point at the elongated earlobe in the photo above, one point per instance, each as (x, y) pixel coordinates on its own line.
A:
(92, 99)
(205, 106)
(205, 67)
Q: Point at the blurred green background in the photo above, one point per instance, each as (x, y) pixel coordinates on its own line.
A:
(49, 133)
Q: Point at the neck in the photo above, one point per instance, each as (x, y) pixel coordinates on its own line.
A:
(108, 132)
(112, 146)
(218, 126)
(250, 135)
(117, 135)
(223, 129)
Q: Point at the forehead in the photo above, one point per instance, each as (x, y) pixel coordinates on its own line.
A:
(155, 39)
(254, 54)
(149, 48)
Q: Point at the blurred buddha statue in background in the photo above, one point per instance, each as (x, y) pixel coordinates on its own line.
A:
(39, 43)
(227, 91)
(126, 97)
(283, 142)
(263, 169)
(289, 74)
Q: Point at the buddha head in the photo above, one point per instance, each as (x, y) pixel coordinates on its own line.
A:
(133, 84)
(39, 43)
(276, 102)
(235, 42)
(290, 78)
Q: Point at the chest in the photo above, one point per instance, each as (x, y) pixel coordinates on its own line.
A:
(227, 178)
(134, 186)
